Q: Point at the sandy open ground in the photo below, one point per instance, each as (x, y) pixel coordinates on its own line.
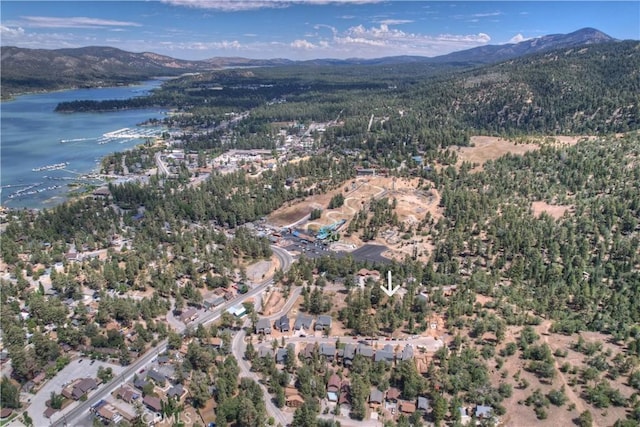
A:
(485, 148)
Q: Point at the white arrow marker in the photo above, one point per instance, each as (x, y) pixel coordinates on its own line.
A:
(389, 290)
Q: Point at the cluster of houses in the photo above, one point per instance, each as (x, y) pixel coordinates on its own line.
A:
(161, 378)
(302, 323)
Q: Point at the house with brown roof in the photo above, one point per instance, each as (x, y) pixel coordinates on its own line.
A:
(407, 407)
(333, 388)
(153, 403)
(292, 397)
(80, 388)
(393, 394)
(345, 394)
(126, 394)
(189, 315)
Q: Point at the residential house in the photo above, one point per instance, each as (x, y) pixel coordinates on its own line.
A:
(153, 403)
(79, 388)
(163, 359)
(265, 352)
(214, 342)
(385, 354)
(303, 322)
(140, 383)
(263, 326)
(464, 417)
(177, 392)
(189, 315)
(155, 376)
(423, 404)
(347, 353)
(365, 350)
(126, 394)
(333, 388)
(323, 323)
(281, 355)
(375, 398)
(283, 323)
(213, 302)
(328, 351)
(292, 397)
(484, 412)
(407, 408)
(345, 394)
(393, 394)
(407, 352)
(307, 351)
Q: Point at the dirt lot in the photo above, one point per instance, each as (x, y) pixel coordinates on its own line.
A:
(490, 147)
(413, 205)
(555, 211)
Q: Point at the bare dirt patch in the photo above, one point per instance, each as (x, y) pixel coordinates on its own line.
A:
(490, 147)
(413, 205)
(273, 302)
(555, 211)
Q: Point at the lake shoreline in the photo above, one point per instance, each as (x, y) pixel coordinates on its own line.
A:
(32, 135)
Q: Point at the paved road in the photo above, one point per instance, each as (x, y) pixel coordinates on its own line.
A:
(75, 415)
(238, 345)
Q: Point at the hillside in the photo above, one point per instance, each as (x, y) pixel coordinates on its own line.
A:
(30, 70)
(495, 53)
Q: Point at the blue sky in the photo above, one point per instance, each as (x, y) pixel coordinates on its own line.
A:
(200, 29)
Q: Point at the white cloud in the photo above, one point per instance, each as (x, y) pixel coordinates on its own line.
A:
(395, 21)
(11, 32)
(484, 15)
(518, 38)
(227, 5)
(74, 22)
(302, 44)
(391, 41)
(242, 5)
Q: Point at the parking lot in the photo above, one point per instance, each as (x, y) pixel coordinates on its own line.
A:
(368, 252)
(78, 368)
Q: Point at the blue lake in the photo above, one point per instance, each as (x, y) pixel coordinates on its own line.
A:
(60, 146)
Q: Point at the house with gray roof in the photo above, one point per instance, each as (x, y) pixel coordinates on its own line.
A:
(157, 377)
(265, 352)
(348, 353)
(365, 350)
(385, 355)
(376, 397)
(281, 356)
(140, 383)
(263, 326)
(328, 351)
(283, 323)
(484, 412)
(177, 391)
(407, 352)
(303, 321)
(323, 323)
(423, 404)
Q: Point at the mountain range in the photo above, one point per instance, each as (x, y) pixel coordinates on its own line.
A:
(30, 70)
